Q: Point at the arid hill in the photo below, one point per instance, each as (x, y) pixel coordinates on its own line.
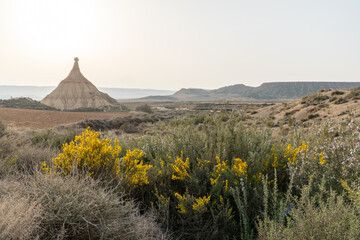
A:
(75, 92)
(324, 105)
(265, 92)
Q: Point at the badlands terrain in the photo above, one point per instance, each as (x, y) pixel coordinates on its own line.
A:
(182, 170)
(337, 105)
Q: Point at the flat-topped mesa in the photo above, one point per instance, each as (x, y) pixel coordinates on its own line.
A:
(75, 91)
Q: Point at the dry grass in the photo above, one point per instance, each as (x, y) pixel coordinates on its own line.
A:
(55, 207)
(19, 155)
(19, 218)
(29, 158)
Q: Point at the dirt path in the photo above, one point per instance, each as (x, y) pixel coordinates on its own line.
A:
(38, 119)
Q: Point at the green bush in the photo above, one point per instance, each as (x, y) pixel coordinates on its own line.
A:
(317, 214)
(328, 150)
(51, 138)
(209, 143)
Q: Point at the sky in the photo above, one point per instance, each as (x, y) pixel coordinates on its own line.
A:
(162, 44)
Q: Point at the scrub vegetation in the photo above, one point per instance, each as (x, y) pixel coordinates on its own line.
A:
(199, 176)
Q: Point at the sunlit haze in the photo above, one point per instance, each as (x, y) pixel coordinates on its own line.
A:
(179, 43)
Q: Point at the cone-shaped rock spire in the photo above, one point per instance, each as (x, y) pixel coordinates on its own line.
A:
(75, 91)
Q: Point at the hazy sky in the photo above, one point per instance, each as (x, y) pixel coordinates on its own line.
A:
(170, 44)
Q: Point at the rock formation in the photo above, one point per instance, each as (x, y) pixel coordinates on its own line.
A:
(76, 91)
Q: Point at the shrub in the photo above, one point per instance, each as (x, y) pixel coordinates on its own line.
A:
(337, 92)
(186, 159)
(311, 116)
(317, 214)
(100, 158)
(51, 138)
(129, 128)
(195, 197)
(221, 135)
(341, 101)
(144, 108)
(28, 159)
(19, 155)
(89, 155)
(78, 208)
(314, 99)
(354, 93)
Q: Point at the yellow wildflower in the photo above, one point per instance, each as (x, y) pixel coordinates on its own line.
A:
(321, 159)
(354, 196)
(180, 169)
(200, 203)
(135, 171)
(240, 167)
(220, 167)
(181, 205)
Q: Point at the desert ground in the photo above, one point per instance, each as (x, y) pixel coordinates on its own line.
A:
(41, 119)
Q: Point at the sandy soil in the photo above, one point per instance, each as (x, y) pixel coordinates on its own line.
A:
(39, 119)
(302, 112)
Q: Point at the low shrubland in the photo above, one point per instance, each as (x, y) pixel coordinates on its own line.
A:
(193, 177)
(315, 213)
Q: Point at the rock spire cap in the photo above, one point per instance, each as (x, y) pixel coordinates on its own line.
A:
(76, 65)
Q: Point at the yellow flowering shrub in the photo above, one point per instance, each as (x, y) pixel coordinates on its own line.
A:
(353, 194)
(240, 167)
(202, 164)
(201, 203)
(180, 169)
(88, 154)
(187, 202)
(182, 203)
(226, 174)
(293, 154)
(220, 168)
(161, 198)
(275, 163)
(162, 166)
(133, 169)
(96, 157)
